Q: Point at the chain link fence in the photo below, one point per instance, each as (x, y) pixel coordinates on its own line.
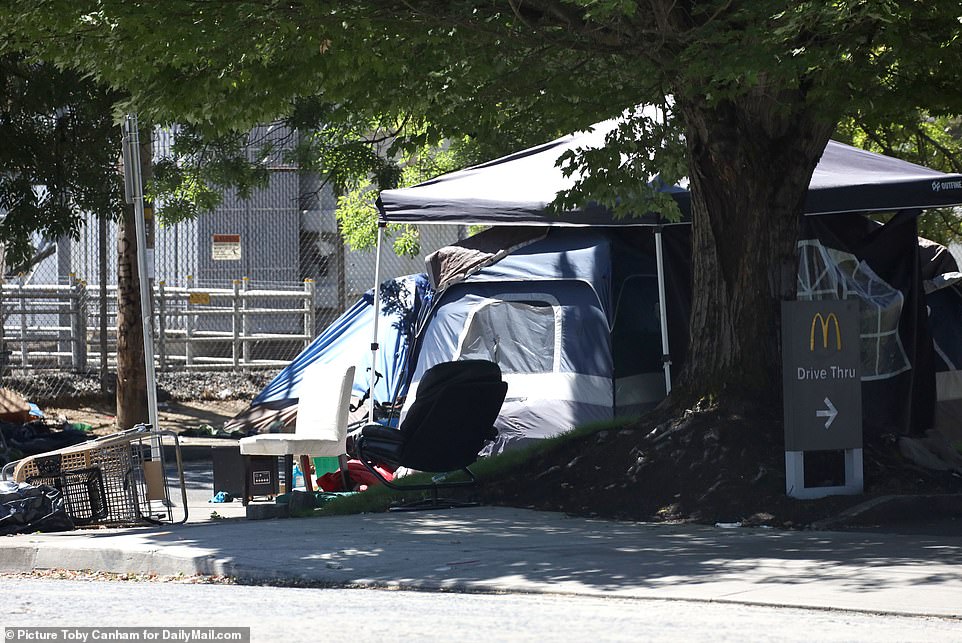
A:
(241, 289)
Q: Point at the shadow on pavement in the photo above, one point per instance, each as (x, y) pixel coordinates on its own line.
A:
(503, 547)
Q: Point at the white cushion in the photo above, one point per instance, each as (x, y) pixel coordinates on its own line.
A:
(321, 425)
(289, 444)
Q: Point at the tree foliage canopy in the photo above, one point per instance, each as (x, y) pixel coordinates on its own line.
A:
(492, 69)
(57, 132)
(750, 93)
(504, 73)
(934, 142)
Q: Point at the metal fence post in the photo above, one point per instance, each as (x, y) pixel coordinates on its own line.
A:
(102, 260)
(79, 327)
(67, 338)
(4, 354)
(162, 324)
(310, 309)
(23, 324)
(235, 325)
(72, 313)
(245, 325)
(189, 325)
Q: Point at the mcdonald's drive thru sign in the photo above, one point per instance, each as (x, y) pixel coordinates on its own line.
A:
(821, 375)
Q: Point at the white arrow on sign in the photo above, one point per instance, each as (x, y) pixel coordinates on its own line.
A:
(829, 413)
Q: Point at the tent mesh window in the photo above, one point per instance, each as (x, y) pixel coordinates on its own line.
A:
(518, 335)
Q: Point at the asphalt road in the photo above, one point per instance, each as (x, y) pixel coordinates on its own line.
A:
(306, 615)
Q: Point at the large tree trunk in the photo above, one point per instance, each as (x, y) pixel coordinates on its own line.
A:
(131, 369)
(131, 374)
(744, 239)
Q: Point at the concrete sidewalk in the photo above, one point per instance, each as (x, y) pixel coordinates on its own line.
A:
(514, 550)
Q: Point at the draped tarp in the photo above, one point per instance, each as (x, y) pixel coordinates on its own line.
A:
(944, 300)
(879, 266)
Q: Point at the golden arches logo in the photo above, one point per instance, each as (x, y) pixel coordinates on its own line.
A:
(826, 324)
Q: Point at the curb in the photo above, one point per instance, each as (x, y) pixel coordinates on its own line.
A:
(28, 558)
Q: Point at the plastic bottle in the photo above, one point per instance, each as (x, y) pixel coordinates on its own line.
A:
(298, 478)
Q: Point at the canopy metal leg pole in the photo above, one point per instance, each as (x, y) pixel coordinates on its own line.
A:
(377, 304)
(663, 310)
(135, 195)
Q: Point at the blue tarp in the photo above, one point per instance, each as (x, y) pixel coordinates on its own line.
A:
(347, 341)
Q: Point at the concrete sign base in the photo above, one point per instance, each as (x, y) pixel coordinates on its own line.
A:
(795, 477)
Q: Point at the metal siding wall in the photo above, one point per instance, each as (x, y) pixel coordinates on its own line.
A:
(268, 224)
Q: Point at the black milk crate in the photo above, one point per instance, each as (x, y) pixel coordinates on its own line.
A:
(83, 491)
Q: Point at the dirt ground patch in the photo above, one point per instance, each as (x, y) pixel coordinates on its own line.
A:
(707, 467)
(172, 415)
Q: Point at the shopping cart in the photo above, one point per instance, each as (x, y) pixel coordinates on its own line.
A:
(117, 479)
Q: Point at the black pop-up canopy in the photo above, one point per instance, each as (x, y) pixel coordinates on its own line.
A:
(515, 189)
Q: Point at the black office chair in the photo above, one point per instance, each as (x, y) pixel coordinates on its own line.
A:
(447, 425)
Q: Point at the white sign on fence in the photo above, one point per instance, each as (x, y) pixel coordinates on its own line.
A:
(226, 247)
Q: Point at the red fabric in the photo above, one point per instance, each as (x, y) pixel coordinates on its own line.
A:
(358, 474)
